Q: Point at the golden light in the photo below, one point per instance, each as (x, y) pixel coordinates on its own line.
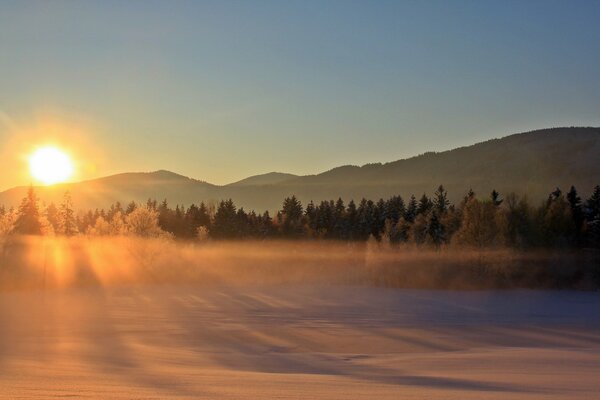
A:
(50, 165)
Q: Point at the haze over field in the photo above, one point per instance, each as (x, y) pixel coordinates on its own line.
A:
(125, 317)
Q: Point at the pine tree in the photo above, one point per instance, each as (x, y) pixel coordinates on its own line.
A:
(394, 209)
(28, 215)
(52, 215)
(556, 222)
(224, 224)
(130, 208)
(67, 222)
(441, 202)
(435, 230)
(592, 205)
(411, 209)
(266, 228)
(592, 216)
(495, 196)
(470, 195)
(339, 220)
(365, 218)
(311, 217)
(291, 215)
(114, 209)
(576, 212)
(351, 221)
(424, 205)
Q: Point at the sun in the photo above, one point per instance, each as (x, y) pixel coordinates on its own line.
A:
(50, 165)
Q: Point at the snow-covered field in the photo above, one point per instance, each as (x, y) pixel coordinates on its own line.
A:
(299, 342)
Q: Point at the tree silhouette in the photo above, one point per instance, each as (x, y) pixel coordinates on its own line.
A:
(28, 215)
(291, 217)
(440, 201)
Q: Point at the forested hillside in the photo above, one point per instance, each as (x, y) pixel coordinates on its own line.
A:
(526, 163)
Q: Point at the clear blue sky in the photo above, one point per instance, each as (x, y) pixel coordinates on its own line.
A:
(222, 90)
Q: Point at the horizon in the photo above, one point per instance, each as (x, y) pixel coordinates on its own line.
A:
(71, 181)
(223, 91)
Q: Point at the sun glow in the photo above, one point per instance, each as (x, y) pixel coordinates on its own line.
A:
(50, 165)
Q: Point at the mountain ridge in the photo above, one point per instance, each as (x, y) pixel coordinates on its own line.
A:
(531, 163)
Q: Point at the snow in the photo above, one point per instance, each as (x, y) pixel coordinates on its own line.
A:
(298, 342)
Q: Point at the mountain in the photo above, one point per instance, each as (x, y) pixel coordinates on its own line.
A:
(531, 163)
(102, 192)
(270, 178)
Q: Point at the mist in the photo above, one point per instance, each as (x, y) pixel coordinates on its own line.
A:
(34, 262)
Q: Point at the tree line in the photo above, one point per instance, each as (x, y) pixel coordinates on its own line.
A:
(563, 220)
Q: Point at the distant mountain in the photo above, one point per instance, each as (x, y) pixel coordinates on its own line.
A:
(270, 178)
(137, 186)
(531, 163)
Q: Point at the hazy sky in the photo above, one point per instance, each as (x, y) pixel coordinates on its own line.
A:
(222, 90)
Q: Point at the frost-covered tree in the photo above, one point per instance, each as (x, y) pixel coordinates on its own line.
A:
(117, 224)
(7, 221)
(67, 224)
(100, 228)
(143, 222)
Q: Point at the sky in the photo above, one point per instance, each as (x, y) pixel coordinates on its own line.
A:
(222, 90)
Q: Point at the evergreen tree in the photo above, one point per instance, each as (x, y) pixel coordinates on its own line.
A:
(592, 216)
(130, 208)
(592, 205)
(576, 212)
(365, 219)
(441, 202)
(350, 232)
(28, 215)
(339, 219)
(311, 216)
(495, 196)
(242, 222)
(265, 226)
(291, 217)
(52, 216)
(195, 217)
(419, 229)
(424, 205)
(379, 217)
(67, 221)
(411, 209)
(224, 224)
(435, 230)
(394, 209)
(470, 195)
(151, 204)
(556, 222)
(114, 209)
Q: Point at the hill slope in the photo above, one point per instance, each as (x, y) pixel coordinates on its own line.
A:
(271, 178)
(531, 163)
